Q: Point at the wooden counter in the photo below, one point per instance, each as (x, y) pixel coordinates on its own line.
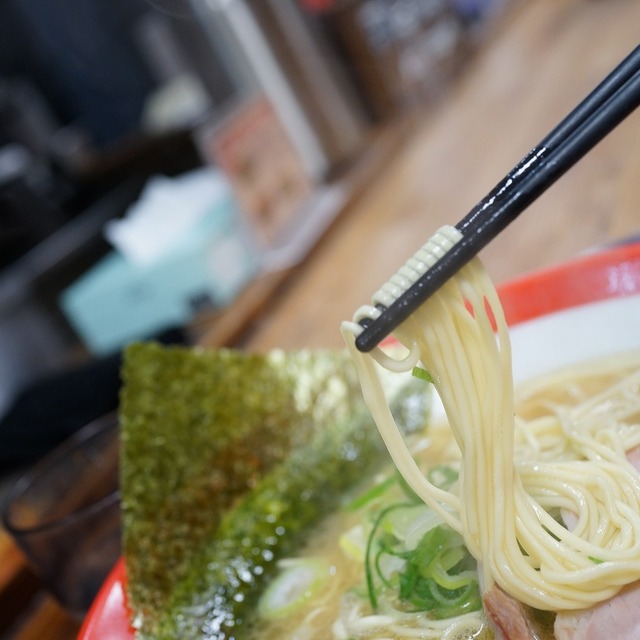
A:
(547, 57)
(535, 66)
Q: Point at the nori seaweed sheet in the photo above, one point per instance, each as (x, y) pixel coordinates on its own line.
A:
(227, 459)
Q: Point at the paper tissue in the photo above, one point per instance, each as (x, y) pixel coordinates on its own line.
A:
(182, 246)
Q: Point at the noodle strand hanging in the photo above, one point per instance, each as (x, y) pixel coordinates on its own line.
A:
(518, 475)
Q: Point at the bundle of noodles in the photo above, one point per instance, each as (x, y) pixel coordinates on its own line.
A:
(260, 502)
(547, 500)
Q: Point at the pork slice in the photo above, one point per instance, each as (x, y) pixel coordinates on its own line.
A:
(633, 456)
(615, 619)
(507, 616)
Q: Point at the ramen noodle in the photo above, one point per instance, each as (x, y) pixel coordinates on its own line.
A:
(502, 505)
(518, 471)
(531, 491)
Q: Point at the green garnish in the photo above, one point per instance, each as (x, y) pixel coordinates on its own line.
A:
(227, 460)
(375, 492)
(438, 576)
(378, 490)
(421, 374)
(299, 581)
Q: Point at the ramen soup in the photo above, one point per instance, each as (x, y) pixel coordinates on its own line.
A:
(516, 514)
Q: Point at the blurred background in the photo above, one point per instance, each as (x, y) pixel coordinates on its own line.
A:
(157, 156)
(168, 166)
(246, 172)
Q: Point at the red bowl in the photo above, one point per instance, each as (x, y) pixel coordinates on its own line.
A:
(604, 275)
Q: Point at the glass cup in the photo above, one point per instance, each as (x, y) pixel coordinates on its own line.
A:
(64, 513)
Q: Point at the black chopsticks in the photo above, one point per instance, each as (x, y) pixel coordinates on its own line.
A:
(596, 116)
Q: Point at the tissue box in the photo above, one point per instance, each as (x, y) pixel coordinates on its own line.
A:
(119, 300)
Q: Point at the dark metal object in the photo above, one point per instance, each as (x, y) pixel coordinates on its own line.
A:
(596, 116)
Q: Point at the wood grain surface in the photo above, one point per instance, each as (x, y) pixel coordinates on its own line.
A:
(529, 74)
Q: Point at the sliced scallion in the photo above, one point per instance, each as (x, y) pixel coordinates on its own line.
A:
(299, 581)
